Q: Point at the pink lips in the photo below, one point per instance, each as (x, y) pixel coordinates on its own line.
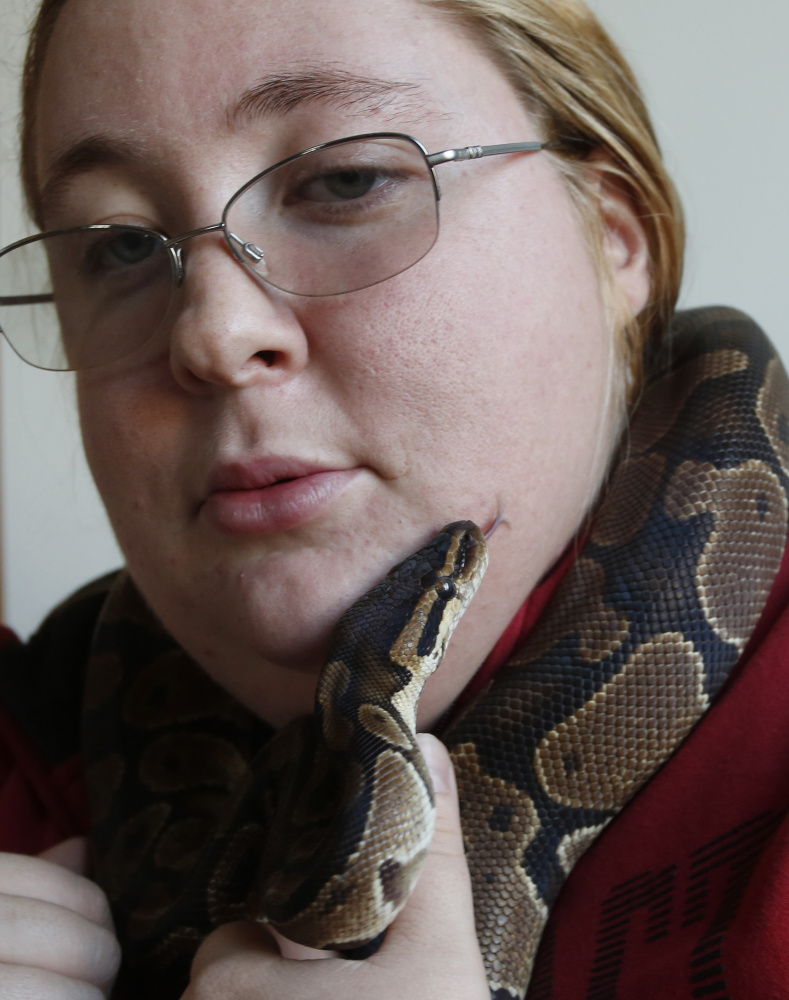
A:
(271, 494)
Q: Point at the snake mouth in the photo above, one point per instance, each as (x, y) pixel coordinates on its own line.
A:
(458, 558)
(447, 590)
(466, 556)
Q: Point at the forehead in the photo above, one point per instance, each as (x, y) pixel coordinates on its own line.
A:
(136, 68)
(192, 48)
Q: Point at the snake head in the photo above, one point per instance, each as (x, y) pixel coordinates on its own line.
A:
(439, 581)
(393, 638)
(398, 632)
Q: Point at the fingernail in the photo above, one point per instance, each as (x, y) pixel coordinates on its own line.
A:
(438, 763)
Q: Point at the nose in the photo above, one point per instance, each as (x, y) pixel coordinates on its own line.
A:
(227, 330)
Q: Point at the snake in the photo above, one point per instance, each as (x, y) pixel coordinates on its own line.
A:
(203, 815)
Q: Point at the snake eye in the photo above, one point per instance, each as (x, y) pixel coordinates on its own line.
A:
(445, 590)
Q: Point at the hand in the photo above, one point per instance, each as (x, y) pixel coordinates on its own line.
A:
(56, 936)
(430, 951)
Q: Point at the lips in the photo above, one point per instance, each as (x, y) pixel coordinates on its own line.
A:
(271, 494)
(261, 473)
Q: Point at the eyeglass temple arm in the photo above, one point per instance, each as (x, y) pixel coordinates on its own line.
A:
(474, 152)
(25, 300)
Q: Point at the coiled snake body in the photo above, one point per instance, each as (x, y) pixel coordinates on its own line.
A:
(195, 825)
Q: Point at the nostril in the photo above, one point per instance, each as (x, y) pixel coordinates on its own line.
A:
(268, 357)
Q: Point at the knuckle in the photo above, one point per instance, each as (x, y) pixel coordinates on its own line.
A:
(103, 956)
(37, 878)
(46, 936)
(92, 903)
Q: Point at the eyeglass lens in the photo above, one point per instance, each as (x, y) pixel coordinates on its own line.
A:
(337, 219)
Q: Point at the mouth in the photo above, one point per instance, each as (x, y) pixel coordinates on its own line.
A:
(262, 473)
(272, 494)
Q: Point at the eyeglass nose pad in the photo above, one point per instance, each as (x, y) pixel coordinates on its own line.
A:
(257, 257)
(249, 253)
(178, 265)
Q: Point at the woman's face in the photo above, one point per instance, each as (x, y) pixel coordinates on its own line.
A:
(266, 458)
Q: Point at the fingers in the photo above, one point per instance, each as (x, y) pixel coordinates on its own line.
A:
(258, 938)
(229, 940)
(56, 937)
(448, 838)
(441, 909)
(290, 949)
(48, 881)
(51, 937)
(430, 951)
(71, 854)
(241, 961)
(24, 983)
(435, 935)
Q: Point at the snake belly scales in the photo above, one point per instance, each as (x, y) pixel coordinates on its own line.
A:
(202, 815)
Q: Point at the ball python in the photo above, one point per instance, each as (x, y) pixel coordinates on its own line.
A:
(194, 799)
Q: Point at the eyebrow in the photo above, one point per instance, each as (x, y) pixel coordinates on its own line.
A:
(79, 158)
(274, 96)
(281, 93)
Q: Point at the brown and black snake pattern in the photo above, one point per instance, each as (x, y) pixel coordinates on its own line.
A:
(189, 790)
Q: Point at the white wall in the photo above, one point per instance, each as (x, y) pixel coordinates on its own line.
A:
(717, 78)
(55, 534)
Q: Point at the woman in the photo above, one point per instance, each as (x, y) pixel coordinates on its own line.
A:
(269, 442)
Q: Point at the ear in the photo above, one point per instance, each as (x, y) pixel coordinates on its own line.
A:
(624, 237)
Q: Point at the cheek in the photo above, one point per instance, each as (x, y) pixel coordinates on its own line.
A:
(127, 448)
(103, 432)
(484, 342)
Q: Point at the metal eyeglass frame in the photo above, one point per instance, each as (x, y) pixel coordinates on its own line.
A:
(254, 253)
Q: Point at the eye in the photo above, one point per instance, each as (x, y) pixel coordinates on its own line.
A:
(342, 185)
(445, 590)
(131, 248)
(124, 250)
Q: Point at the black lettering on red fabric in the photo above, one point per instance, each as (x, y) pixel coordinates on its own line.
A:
(684, 911)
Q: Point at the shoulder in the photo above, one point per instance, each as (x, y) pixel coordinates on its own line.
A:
(41, 680)
(42, 789)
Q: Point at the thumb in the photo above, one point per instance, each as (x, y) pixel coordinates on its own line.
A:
(71, 854)
(440, 912)
(448, 837)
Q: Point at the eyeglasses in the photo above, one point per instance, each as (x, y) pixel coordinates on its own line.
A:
(332, 219)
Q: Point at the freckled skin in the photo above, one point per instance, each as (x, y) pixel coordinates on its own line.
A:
(476, 381)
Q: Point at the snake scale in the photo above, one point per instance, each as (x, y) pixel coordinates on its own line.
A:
(202, 815)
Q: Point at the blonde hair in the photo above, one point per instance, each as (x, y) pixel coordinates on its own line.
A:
(575, 82)
(40, 34)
